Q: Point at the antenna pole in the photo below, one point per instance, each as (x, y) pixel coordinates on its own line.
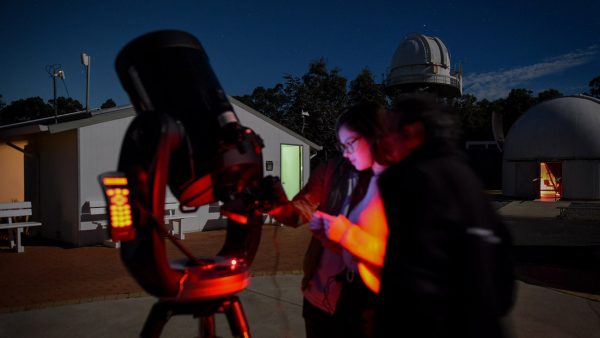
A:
(86, 61)
(55, 105)
(55, 71)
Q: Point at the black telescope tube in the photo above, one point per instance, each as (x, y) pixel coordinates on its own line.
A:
(169, 72)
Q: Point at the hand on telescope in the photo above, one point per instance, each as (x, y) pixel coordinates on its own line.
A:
(271, 195)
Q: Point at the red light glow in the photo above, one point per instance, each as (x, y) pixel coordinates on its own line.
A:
(235, 217)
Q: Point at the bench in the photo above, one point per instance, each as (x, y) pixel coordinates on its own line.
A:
(11, 211)
(173, 220)
(97, 210)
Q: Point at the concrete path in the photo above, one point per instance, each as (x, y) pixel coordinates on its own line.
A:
(273, 306)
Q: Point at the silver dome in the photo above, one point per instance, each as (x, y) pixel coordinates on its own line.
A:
(423, 63)
(559, 129)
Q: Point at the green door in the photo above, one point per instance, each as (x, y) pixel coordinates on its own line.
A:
(291, 169)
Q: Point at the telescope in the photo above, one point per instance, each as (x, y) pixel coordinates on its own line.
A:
(185, 136)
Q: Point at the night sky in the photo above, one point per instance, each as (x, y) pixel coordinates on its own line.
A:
(510, 44)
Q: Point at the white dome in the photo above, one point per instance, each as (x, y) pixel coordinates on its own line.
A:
(564, 128)
(422, 61)
(419, 49)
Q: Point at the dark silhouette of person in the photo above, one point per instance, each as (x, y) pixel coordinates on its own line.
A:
(448, 267)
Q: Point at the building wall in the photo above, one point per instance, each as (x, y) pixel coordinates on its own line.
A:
(518, 179)
(508, 178)
(58, 187)
(99, 149)
(60, 177)
(12, 173)
(273, 138)
(100, 146)
(581, 179)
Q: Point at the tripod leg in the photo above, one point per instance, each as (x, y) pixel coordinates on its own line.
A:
(157, 318)
(237, 318)
(207, 326)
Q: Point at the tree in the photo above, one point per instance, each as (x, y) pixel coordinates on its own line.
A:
(364, 88)
(270, 101)
(595, 87)
(25, 110)
(322, 94)
(517, 102)
(2, 104)
(548, 94)
(34, 108)
(108, 104)
(308, 105)
(475, 119)
(66, 105)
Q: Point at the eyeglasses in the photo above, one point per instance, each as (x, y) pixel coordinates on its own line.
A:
(348, 146)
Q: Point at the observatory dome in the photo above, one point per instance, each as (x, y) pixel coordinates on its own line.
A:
(422, 63)
(564, 128)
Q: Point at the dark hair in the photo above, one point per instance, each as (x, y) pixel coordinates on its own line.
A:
(365, 118)
(439, 122)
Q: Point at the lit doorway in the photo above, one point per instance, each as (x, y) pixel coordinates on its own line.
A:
(550, 181)
(291, 169)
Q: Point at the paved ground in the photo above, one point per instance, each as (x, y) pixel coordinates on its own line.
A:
(554, 252)
(47, 275)
(50, 291)
(273, 308)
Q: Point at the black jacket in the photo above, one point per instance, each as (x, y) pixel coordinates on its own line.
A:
(448, 269)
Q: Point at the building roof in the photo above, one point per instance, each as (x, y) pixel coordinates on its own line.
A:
(63, 122)
(82, 119)
(263, 117)
(558, 129)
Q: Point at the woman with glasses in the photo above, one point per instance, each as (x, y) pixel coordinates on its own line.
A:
(362, 232)
(333, 188)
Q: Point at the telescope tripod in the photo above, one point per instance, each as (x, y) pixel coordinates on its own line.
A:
(203, 310)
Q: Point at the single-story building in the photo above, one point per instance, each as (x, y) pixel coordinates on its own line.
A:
(553, 151)
(56, 165)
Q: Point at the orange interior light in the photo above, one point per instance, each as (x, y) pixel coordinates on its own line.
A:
(550, 188)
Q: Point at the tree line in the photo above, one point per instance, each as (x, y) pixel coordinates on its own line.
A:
(323, 93)
(34, 108)
(311, 103)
